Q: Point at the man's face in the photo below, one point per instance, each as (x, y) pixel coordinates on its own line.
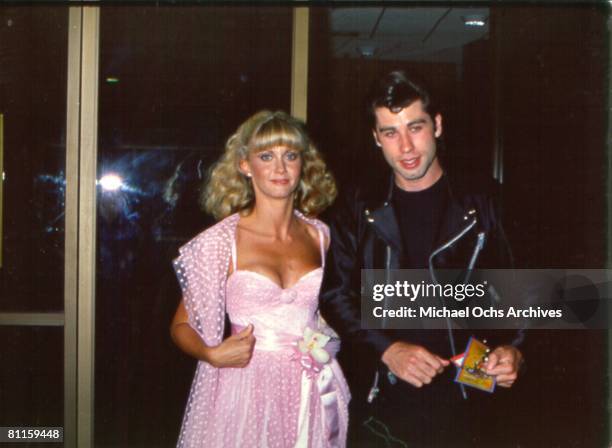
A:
(408, 142)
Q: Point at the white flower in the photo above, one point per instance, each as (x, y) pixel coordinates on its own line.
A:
(313, 343)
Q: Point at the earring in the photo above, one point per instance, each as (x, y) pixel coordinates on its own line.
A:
(248, 174)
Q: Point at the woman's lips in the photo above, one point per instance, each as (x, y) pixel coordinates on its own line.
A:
(280, 181)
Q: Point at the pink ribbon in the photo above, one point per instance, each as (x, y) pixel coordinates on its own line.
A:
(309, 364)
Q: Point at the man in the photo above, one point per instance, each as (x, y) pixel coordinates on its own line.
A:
(425, 219)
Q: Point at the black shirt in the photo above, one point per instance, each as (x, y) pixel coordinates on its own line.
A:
(419, 215)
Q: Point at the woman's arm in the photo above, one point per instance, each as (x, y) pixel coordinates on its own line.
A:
(235, 351)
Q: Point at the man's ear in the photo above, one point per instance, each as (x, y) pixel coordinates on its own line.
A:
(376, 138)
(438, 126)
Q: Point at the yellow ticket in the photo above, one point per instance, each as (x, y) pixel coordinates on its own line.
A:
(470, 371)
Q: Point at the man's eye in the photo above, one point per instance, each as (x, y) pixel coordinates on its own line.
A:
(389, 134)
(414, 129)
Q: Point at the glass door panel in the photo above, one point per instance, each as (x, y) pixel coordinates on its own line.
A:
(174, 83)
(33, 88)
(33, 60)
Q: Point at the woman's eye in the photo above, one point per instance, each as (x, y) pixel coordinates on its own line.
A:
(265, 156)
(291, 156)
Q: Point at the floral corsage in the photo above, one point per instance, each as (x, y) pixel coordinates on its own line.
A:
(311, 352)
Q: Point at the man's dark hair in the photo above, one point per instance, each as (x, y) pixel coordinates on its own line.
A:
(396, 91)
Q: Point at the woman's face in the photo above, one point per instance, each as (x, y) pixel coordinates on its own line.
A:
(275, 172)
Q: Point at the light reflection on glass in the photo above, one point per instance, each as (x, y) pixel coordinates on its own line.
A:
(110, 182)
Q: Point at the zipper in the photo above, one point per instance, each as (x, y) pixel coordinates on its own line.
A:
(443, 247)
(477, 249)
(387, 273)
(449, 244)
(479, 245)
(374, 390)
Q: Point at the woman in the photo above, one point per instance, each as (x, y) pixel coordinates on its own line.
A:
(273, 382)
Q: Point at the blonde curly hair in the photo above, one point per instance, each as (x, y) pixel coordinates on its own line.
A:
(228, 190)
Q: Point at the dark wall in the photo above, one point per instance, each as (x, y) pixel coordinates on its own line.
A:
(553, 77)
(552, 97)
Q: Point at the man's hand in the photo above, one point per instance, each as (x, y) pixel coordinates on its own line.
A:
(413, 363)
(504, 363)
(235, 351)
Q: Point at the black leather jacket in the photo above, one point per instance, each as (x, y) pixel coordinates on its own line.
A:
(365, 235)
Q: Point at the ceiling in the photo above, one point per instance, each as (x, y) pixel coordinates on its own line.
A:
(423, 33)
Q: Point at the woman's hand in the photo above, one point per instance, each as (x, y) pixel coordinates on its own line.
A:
(235, 351)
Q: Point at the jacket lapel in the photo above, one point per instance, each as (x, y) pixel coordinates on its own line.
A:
(385, 223)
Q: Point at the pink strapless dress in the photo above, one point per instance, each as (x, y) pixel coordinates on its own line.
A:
(277, 401)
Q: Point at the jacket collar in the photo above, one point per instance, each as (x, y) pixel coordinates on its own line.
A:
(380, 214)
(460, 191)
(384, 220)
